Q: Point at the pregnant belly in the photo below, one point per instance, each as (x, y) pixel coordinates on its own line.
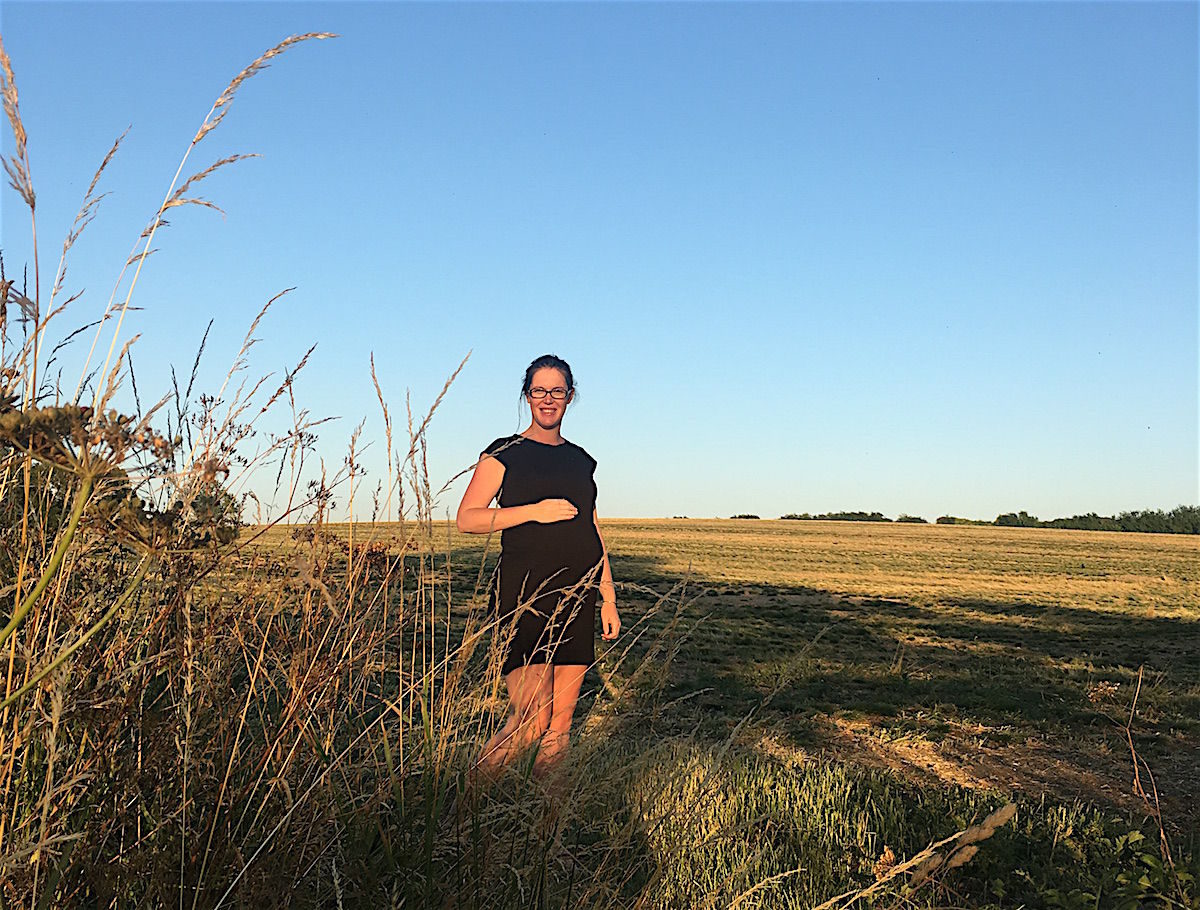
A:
(555, 545)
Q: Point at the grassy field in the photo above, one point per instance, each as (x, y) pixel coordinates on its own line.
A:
(977, 656)
(856, 691)
(972, 655)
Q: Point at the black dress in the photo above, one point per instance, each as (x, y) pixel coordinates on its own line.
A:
(548, 573)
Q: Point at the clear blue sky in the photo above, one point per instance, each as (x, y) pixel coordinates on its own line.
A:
(925, 258)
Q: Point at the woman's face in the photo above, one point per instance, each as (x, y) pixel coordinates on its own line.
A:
(548, 410)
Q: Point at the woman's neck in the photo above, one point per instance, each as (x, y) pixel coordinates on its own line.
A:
(546, 437)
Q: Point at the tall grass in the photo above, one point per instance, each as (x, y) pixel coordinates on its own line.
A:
(201, 714)
(189, 719)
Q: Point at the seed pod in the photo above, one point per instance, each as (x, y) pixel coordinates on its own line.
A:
(927, 869)
(1001, 816)
(961, 856)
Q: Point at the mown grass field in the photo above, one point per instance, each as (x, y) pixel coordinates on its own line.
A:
(971, 655)
(871, 686)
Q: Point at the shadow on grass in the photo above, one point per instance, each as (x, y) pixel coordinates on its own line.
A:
(1031, 696)
(1018, 696)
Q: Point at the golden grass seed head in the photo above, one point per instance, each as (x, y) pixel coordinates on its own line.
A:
(1000, 817)
(962, 856)
(974, 834)
(927, 868)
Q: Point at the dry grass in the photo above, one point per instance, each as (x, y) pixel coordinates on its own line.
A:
(1090, 570)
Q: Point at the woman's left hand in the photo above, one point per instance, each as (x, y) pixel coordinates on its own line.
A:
(610, 621)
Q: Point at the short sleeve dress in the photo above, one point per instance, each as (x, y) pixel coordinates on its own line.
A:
(548, 573)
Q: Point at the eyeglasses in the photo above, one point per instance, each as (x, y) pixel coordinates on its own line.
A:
(538, 393)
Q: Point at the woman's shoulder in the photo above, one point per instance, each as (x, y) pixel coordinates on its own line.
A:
(497, 447)
(582, 451)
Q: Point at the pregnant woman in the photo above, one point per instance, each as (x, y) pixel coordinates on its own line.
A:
(552, 565)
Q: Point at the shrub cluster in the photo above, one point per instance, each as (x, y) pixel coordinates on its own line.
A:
(836, 516)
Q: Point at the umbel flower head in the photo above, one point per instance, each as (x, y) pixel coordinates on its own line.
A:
(78, 439)
(95, 446)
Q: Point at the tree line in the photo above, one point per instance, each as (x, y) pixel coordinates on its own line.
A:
(1179, 520)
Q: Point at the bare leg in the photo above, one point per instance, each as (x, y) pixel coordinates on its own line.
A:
(567, 680)
(530, 693)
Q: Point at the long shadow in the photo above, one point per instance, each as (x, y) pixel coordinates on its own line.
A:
(887, 654)
(1004, 676)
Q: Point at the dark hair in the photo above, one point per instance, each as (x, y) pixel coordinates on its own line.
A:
(548, 360)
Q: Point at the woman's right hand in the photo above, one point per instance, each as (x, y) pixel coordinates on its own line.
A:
(548, 511)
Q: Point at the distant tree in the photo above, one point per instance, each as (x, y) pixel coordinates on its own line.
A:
(1185, 519)
(744, 515)
(1089, 522)
(1180, 520)
(853, 516)
(1020, 519)
(958, 520)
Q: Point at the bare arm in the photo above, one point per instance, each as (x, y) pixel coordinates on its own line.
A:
(610, 620)
(476, 517)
